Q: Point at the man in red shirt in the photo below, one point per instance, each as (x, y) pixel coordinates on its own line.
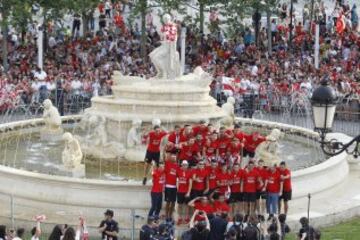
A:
(220, 205)
(189, 151)
(211, 148)
(250, 179)
(285, 176)
(273, 187)
(186, 133)
(223, 179)
(200, 182)
(184, 182)
(235, 149)
(171, 170)
(236, 197)
(252, 141)
(224, 140)
(202, 204)
(260, 194)
(201, 129)
(153, 149)
(158, 179)
(174, 139)
(213, 170)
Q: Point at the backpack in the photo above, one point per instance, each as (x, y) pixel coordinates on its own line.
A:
(251, 232)
(239, 230)
(187, 235)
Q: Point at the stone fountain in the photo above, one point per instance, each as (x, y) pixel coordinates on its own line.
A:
(171, 97)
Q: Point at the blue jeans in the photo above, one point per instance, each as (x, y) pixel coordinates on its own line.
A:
(272, 202)
(156, 203)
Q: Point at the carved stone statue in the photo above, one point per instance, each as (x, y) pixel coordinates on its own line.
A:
(269, 149)
(229, 109)
(72, 154)
(96, 142)
(52, 130)
(51, 116)
(134, 135)
(166, 58)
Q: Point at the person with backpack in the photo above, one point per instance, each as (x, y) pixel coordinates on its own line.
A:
(306, 231)
(252, 232)
(237, 226)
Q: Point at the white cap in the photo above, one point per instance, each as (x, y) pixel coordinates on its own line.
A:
(184, 162)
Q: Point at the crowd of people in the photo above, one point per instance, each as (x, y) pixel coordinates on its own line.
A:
(214, 173)
(241, 64)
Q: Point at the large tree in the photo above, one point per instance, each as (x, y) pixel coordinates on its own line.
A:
(85, 8)
(16, 13)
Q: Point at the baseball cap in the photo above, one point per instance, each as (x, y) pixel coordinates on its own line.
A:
(109, 212)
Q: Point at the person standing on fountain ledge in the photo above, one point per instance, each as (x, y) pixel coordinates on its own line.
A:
(285, 176)
(153, 149)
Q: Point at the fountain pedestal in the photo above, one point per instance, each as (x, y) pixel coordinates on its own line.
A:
(184, 100)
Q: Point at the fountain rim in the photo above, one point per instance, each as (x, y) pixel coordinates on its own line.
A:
(32, 123)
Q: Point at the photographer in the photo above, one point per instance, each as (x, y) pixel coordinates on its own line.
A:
(199, 229)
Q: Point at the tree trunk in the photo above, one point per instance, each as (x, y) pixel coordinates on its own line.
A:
(143, 29)
(268, 22)
(201, 17)
(311, 14)
(4, 46)
(85, 22)
(45, 28)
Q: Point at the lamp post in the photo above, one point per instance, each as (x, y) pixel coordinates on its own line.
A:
(323, 103)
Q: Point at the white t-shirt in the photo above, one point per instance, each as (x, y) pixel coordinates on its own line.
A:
(40, 75)
(34, 238)
(76, 85)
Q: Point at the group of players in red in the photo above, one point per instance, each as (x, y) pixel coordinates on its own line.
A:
(203, 169)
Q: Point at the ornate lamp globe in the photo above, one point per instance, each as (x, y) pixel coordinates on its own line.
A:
(323, 103)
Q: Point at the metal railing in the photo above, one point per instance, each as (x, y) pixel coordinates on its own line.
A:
(16, 213)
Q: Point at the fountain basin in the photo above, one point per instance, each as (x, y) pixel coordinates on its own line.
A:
(39, 189)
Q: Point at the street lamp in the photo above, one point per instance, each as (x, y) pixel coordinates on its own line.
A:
(323, 103)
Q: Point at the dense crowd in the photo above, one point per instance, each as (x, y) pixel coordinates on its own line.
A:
(241, 64)
(213, 172)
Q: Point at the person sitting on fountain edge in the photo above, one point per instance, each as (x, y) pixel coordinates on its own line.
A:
(153, 149)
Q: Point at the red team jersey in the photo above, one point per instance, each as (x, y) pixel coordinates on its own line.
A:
(155, 140)
(223, 181)
(221, 206)
(158, 177)
(211, 147)
(223, 144)
(286, 182)
(183, 180)
(250, 180)
(273, 184)
(234, 149)
(212, 173)
(251, 144)
(199, 180)
(187, 152)
(263, 173)
(236, 178)
(171, 169)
